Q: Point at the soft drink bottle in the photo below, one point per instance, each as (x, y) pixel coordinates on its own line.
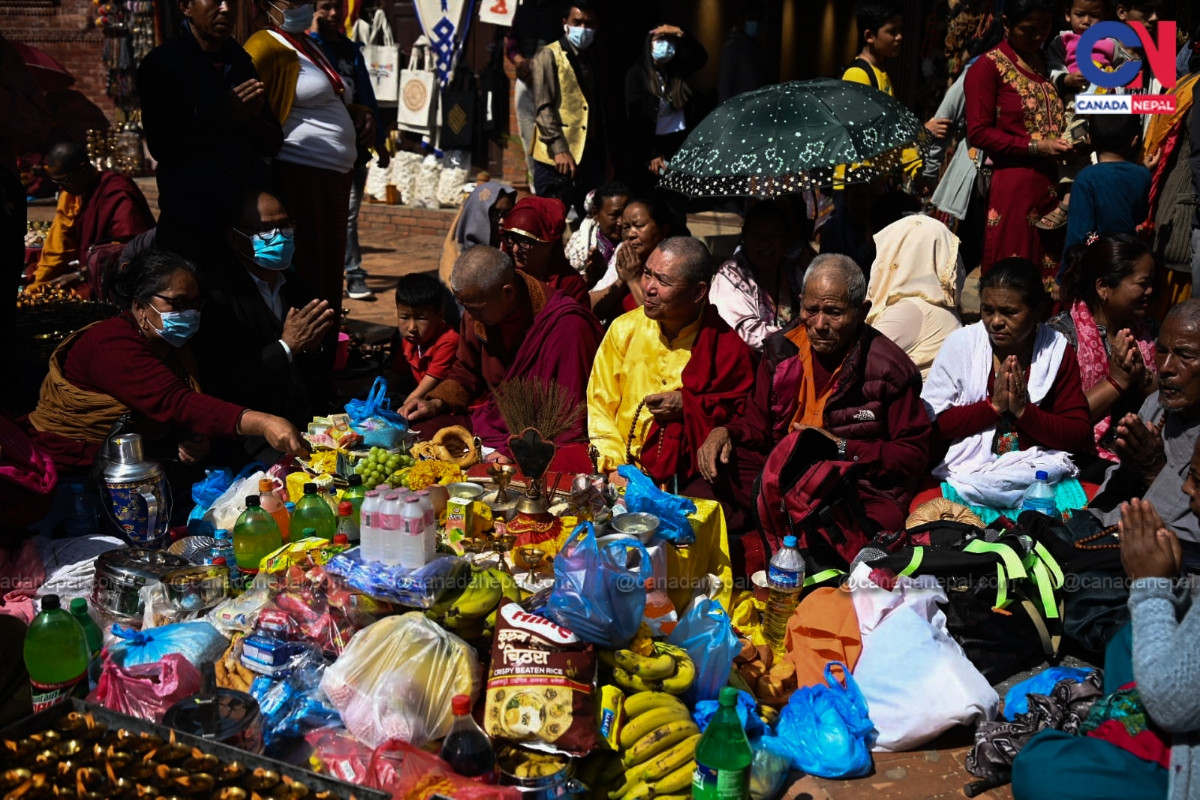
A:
(355, 493)
(271, 503)
(56, 656)
(367, 531)
(411, 537)
(466, 748)
(1040, 496)
(255, 536)
(785, 577)
(312, 511)
(347, 524)
(723, 755)
(94, 636)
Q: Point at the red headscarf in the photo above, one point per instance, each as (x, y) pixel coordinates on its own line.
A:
(541, 218)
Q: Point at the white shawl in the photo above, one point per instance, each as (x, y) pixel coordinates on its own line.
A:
(959, 378)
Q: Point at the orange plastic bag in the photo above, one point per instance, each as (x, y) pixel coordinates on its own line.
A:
(823, 628)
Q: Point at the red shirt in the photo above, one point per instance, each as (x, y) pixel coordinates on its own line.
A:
(434, 359)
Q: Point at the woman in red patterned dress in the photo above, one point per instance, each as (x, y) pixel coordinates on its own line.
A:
(1015, 115)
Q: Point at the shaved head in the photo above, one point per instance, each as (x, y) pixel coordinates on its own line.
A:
(261, 208)
(1186, 314)
(66, 155)
(482, 271)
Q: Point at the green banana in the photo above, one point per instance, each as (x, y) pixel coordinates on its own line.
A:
(438, 611)
(481, 596)
(677, 781)
(667, 761)
(632, 682)
(645, 724)
(508, 584)
(659, 740)
(648, 668)
(685, 673)
(640, 703)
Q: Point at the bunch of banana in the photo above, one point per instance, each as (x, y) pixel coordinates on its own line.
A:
(668, 669)
(658, 745)
(471, 612)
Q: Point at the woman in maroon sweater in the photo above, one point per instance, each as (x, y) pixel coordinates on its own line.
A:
(1005, 385)
(136, 364)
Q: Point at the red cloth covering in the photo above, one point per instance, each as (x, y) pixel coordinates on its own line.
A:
(1006, 108)
(436, 358)
(1060, 422)
(716, 384)
(541, 218)
(554, 339)
(116, 211)
(113, 358)
(563, 277)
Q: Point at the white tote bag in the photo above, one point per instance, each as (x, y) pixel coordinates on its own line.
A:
(382, 55)
(498, 12)
(417, 107)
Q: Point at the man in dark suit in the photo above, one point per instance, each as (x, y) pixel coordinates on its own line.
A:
(256, 341)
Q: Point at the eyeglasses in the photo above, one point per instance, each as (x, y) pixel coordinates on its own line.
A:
(519, 242)
(182, 303)
(269, 234)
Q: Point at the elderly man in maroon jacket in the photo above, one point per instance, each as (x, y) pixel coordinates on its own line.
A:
(94, 208)
(835, 374)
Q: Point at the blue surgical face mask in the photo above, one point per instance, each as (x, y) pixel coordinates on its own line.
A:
(274, 249)
(178, 326)
(298, 19)
(662, 50)
(580, 37)
(751, 27)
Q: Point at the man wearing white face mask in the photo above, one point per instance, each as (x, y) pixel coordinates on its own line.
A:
(568, 148)
(658, 102)
(260, 337)
(743, 66)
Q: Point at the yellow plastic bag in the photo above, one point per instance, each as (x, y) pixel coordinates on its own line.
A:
(747, 617)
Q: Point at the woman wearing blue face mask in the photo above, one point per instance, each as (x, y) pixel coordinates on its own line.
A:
(322, 130)
(659, 103)
(137, 364)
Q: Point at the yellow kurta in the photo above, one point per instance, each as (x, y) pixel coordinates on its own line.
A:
(62, 240)
(634, 360)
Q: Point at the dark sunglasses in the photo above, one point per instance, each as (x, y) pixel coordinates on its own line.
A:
(182, 303)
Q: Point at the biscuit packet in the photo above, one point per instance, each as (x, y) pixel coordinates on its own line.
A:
(541, 684)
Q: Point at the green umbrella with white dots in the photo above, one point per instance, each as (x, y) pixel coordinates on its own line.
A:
(793, 136)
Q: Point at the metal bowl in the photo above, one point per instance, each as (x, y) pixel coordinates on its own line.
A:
(193, 548)
(196, 588)
(639, 524)
(121, 573)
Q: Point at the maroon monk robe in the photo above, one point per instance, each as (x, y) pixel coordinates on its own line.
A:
(557, 343)
(717, 382)
(117, 211)
(562, 276)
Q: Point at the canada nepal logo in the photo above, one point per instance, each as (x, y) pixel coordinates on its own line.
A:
(1160, 55)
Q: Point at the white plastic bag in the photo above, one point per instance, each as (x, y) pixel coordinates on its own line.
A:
(396, 678)
(425, 187)
(917, 681)
(228, 507)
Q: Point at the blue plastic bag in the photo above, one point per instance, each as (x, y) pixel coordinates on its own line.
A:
(747, 710)
(204, 494)
(374, 419)
(707, 634)
(825, 730)
(1017, 699)
(596, 593)
(641, 495)
(197, 641)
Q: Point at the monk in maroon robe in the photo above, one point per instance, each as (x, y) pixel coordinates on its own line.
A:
(513, 327)
(532, 233)
(94, 208)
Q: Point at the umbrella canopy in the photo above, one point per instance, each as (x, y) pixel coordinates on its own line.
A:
(794, 136)
(49, 74)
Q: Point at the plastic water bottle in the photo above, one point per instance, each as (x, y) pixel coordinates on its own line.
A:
(411, 538)
(430, 525)
(56, 655)
(1040, 496)
(785, 577)
(388, 531)
(255, 536)
(347, 523)
(368, 520)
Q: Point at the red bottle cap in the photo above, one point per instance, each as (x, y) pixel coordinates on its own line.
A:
(460, 704)
(345, 509)
(219, 561)
(341, 538)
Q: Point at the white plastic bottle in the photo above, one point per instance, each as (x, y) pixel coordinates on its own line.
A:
(1040, 496)
(367, 532)
(412, 533)
(785, 577)
(430, 539)
(389, 528)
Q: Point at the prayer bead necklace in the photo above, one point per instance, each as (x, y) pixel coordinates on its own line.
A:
(629, 459)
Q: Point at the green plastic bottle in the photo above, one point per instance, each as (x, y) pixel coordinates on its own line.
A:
(313, 512)
(56, 656)
(355, 494)
(95, 639)
(723, 755)
(255, 535)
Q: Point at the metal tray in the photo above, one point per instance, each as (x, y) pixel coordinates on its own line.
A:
(318, 783)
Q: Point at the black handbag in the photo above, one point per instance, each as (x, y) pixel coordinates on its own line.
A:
(460, 103)
(495, 89)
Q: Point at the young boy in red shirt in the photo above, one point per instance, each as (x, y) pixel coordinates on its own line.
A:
(428, 347)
